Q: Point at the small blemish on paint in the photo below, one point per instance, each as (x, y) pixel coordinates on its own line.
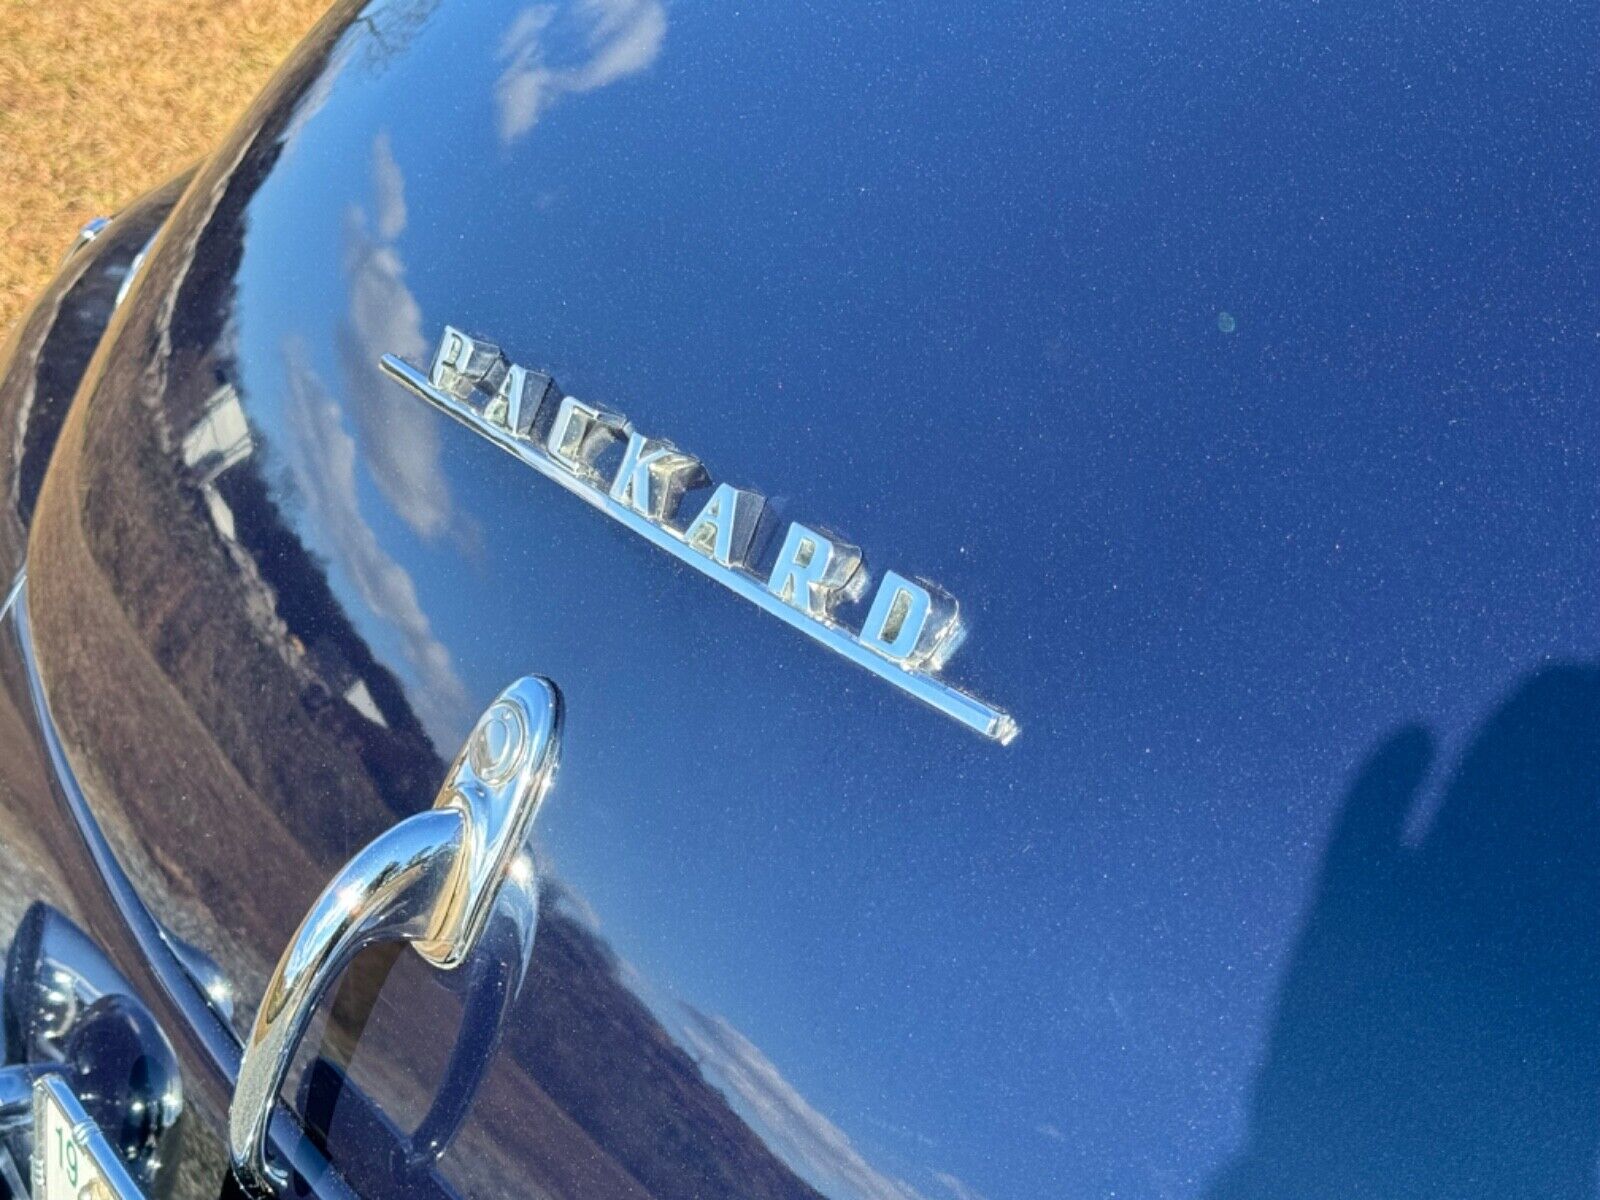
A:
(1226, 323)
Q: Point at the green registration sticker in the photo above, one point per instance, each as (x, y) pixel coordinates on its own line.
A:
(71, 1158)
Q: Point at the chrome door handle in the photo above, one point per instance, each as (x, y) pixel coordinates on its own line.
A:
(432, 881)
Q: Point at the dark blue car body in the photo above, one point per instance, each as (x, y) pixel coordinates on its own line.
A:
(1234, 367)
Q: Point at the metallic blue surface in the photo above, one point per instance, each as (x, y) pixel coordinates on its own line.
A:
(1236, 371)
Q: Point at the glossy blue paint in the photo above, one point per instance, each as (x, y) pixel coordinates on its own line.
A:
(952, 281)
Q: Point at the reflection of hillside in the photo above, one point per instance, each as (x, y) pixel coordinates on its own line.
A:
(355, 694)
(252, 615)
(596, 1049)
(590, 1094)
(183, 705)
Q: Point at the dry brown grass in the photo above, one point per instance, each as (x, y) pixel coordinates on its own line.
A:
(101, 99)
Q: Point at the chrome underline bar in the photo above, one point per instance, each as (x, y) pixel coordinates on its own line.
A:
(975, 714)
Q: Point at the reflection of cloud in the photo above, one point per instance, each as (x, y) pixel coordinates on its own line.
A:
(615, 38)
(956, 1188)
(322, 456)
(388, 189)
(400, 441)
(575, 906)
(808, 1141)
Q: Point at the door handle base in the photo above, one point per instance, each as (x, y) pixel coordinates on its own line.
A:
(431, 881)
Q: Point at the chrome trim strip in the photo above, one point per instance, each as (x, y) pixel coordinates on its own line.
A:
(221, 1044)
(11, 596)
(87, 232)
(975, 714)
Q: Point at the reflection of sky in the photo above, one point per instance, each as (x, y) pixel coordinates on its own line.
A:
(402, 442)
(1207, 572)
(604, 41)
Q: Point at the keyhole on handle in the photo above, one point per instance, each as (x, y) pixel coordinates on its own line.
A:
(498, 745)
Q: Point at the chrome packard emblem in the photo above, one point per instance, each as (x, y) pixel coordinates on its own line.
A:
(912, 627)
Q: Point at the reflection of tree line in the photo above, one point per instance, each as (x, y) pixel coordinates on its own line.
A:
(397, 755)
(169, 578)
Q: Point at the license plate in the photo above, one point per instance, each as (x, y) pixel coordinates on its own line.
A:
(71, 1158)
